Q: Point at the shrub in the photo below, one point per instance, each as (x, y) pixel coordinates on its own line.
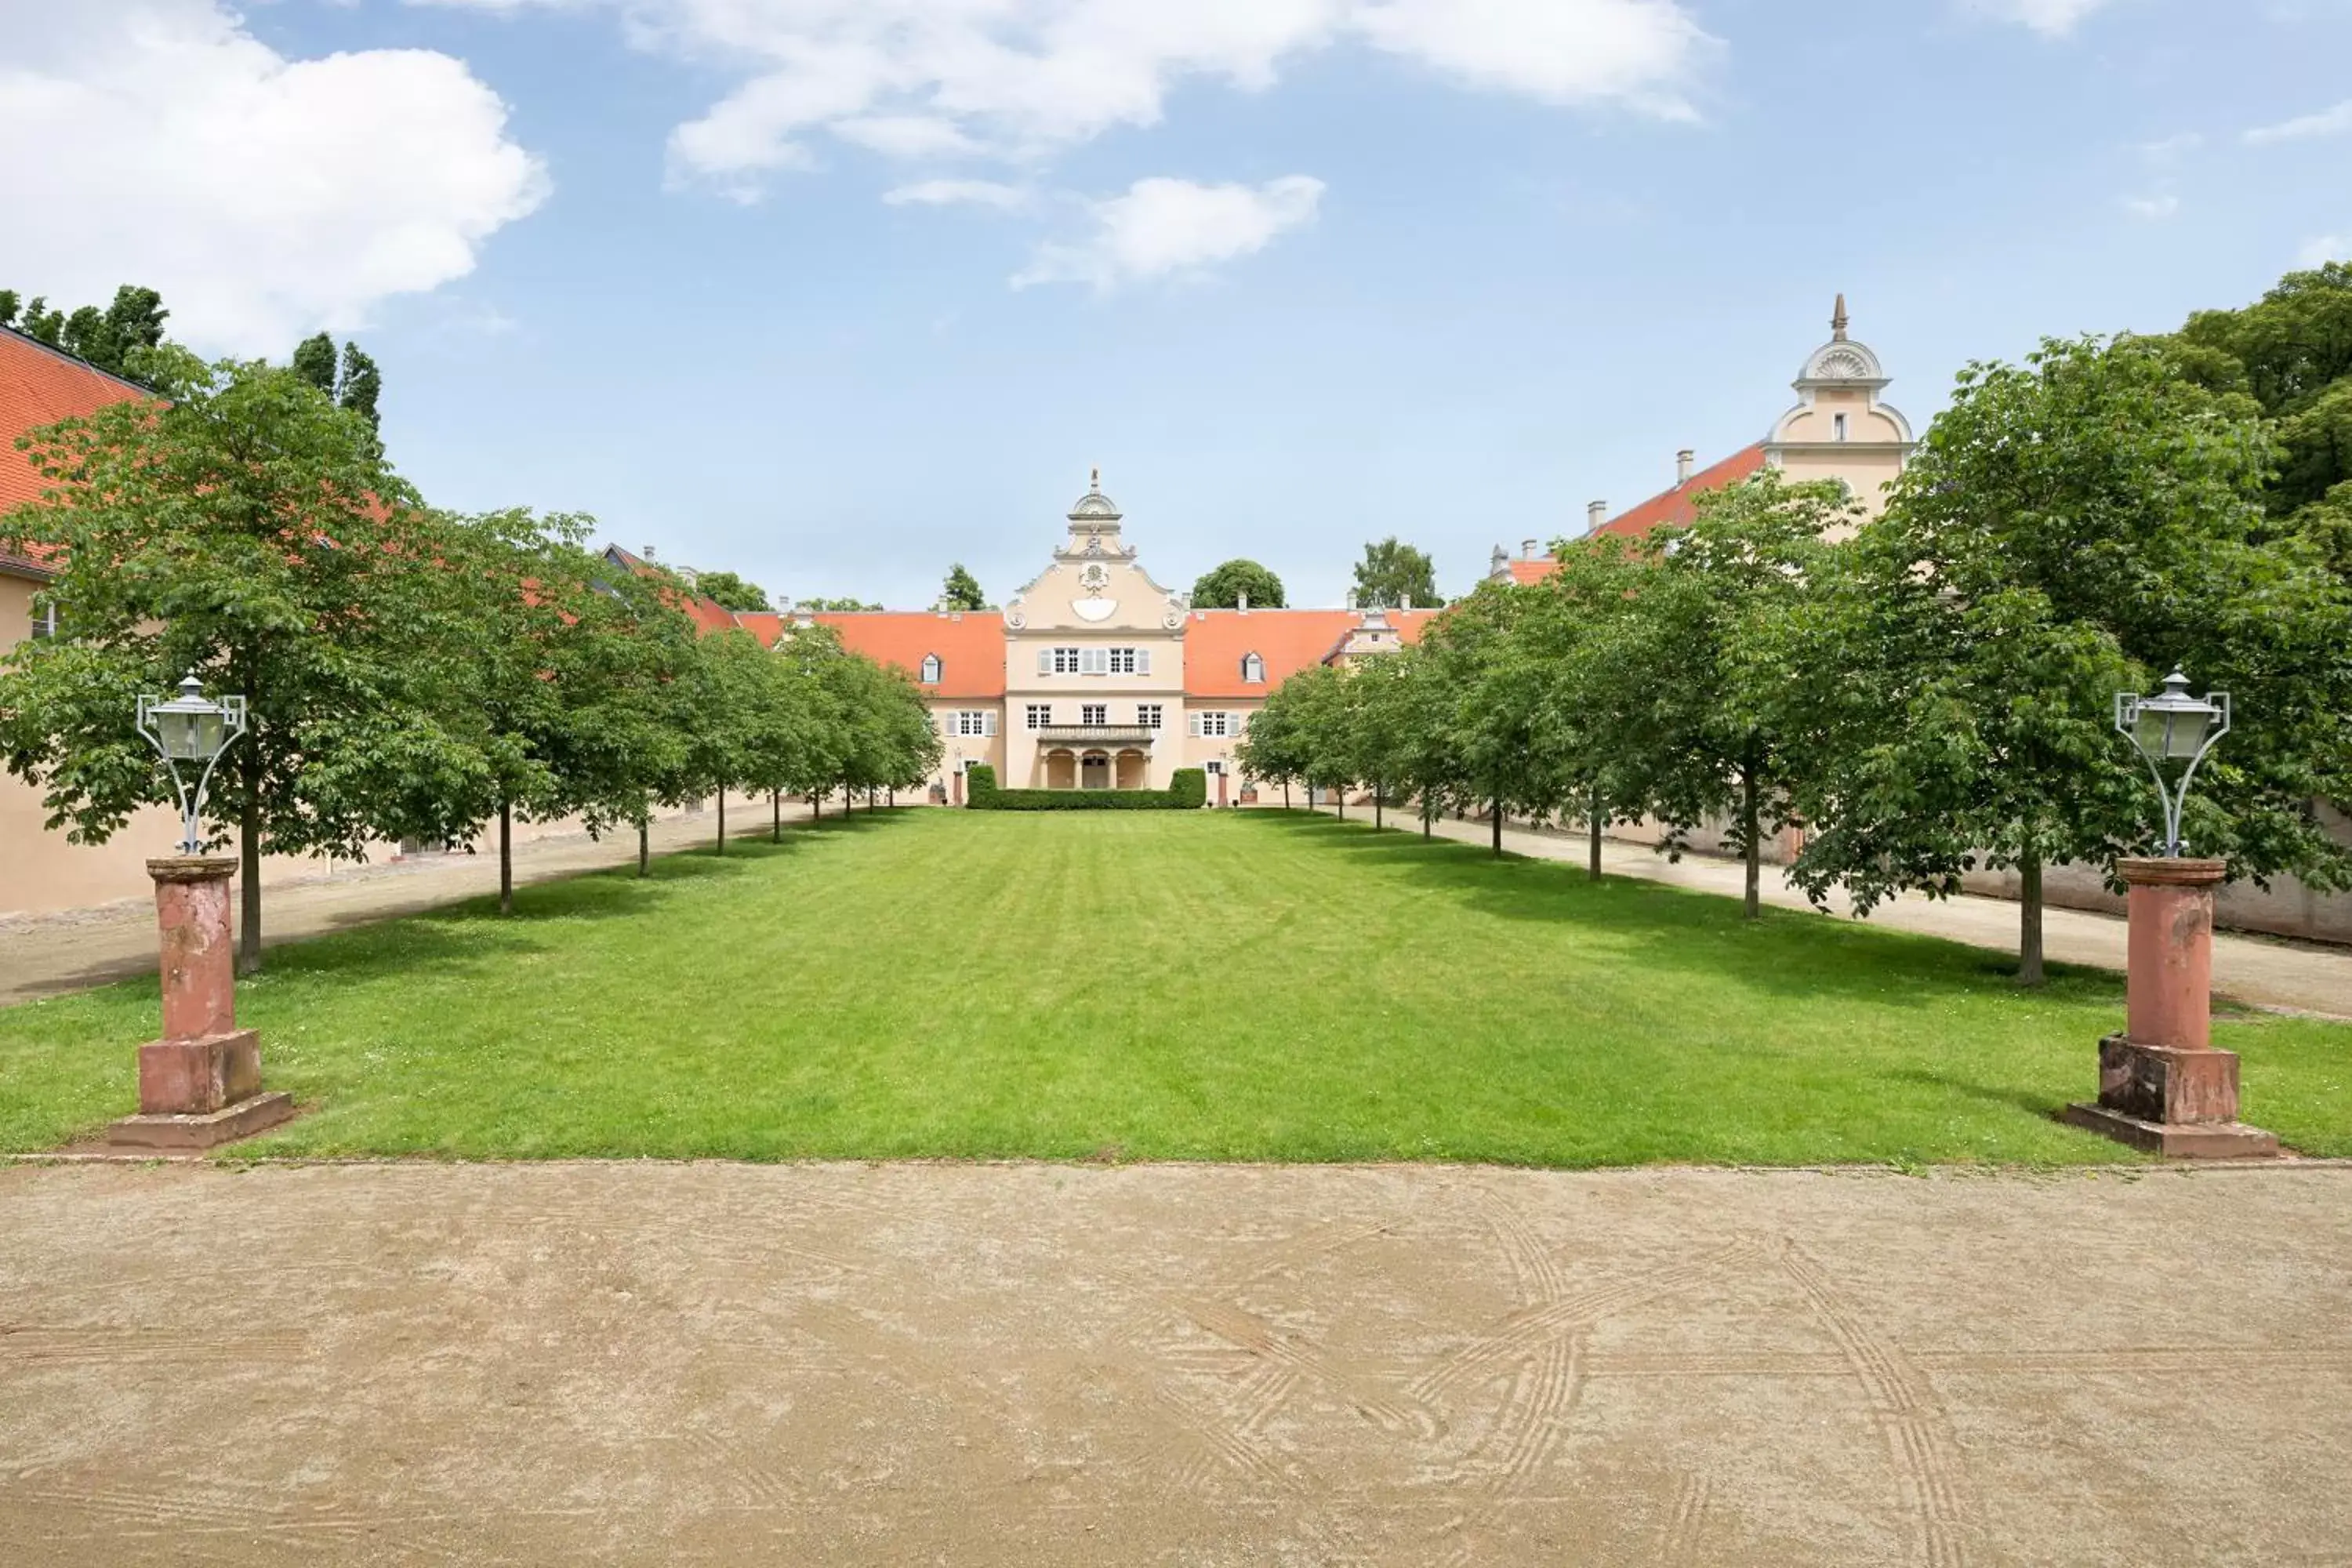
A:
(1188, 791)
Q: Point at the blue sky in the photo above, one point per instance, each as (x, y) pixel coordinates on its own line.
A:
(1296, 273)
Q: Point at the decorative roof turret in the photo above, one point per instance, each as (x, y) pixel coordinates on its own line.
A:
(1096, 509)
(1840, 362)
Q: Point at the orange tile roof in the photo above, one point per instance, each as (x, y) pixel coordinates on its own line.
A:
(1674, 508)
(1215, 641)
(41, 385)
(765, 624)
(1679, 506)
(970, 643)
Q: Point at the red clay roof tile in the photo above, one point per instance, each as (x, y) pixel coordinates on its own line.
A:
(970, 643)
(41, 385)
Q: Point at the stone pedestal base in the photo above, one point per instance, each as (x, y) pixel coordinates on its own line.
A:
(202, 1130)
(2179, 1101)
(196, 1076)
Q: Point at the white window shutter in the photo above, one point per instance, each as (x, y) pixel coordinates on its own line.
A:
(1195, 723)
(1143, 661)
(1045, 661)
(987, 723)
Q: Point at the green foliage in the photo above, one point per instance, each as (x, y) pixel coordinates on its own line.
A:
(834, 606)
(116, 340)
(961, 591)
(250, 531)
(352, 382)
(1393, 575)
(1223, 586)
(1188, 790)
(731, 592)
(2072, 527)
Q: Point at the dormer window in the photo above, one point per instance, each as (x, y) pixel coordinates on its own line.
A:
(1252, 669)
(931, 668)
(1837, 427)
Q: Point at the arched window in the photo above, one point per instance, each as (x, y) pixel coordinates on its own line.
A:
(930, 669)
(1252, 669)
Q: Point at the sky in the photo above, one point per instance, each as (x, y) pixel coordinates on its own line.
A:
(831, 293)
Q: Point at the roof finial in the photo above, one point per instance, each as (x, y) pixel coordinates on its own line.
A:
(1094, 479)
(1837, 320)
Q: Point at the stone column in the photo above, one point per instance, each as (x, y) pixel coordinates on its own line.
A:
(201, 1083)
(2162, 1086)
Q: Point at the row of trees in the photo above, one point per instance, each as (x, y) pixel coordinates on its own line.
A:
(409, 673)
(1925, 692)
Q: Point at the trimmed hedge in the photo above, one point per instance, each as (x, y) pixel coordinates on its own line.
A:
(1187, 791)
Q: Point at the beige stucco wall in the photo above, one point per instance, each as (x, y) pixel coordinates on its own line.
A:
(1047, 611)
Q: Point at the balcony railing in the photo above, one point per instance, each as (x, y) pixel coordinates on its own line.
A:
(1096, 734)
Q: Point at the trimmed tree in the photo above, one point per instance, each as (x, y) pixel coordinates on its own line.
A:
(1223, 587)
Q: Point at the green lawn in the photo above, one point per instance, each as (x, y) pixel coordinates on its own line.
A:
(1150, 986)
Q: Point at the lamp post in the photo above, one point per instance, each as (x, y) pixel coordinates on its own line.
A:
(2173, 730)
(2162, 1086)
(201, 1083)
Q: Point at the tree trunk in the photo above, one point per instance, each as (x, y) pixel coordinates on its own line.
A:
(1592, 818)
(1748, 827)
(776, 814)
(1285, 794)
(506, 856)
(248, 853)
(722, 819)
(645, 842)
(1377, 822)
(1497, 817)
(2029, 918)
(1343, 802)
(1424, 816)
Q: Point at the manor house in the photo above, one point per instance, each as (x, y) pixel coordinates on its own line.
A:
(1095, 676)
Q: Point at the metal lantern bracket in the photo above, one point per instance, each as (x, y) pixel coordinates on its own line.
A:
(191, 702)
(2214, 712)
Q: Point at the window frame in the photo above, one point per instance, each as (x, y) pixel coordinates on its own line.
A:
(1252, 669)
(1150, 715)
(1067, 660)
(1094, 713)
(1038, 716)
(933, 668)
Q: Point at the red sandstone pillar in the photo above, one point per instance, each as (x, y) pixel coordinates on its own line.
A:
(2162, 1086)
(201, 1083)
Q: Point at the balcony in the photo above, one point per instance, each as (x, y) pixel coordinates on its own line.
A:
(1095, 734)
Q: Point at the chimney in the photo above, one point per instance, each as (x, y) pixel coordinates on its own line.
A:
(1527, 550)
(1244, 603)
(1595, 514)
(1683, 468)
(1407, 606)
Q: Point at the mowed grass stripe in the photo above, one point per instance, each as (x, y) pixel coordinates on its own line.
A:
(1180, 985)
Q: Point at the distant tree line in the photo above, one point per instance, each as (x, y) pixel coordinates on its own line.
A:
(1931, 691)
(411, 673)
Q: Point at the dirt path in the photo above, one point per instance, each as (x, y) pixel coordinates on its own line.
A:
(709, 1364)
(2303, 976)
(43, 955)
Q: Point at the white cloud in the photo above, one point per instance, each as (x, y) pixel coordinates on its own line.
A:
(1022, 79)
(2166, 149)
(954, 193)
(1165, 228)
(1628, 51)
(2152, 208)
(2051, 18)
(2326, 122)
(2327, 248)
(157, 142)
